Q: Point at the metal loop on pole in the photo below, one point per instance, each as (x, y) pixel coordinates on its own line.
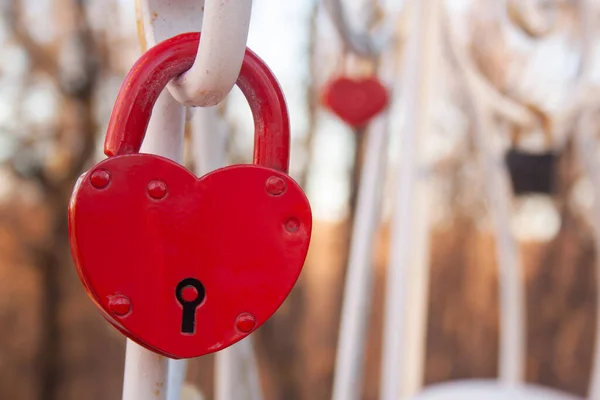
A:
(360, 43)
(218, 62)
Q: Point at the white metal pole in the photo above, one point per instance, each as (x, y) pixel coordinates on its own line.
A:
(209, 140)
(418, 75)
(250, 372)
(357, 292)
(417, 291)
(417, 286)
(146, 373)
(232, 380)
(176, 379)
(160, 21)
(511, 358)
(236, 373)
(586, 146)
(164, 137)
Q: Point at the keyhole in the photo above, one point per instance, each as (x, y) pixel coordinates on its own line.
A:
(190, 293)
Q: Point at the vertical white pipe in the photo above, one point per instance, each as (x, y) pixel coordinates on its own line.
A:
(418, 75)
(160, 21)
(209, 140)
(232, 380)
(357, 292)
(511, 358)
(250, 370)
(146, 373)
(586, 146)
(176, 379)
(227, 377)
(417, 293)
(236, 373)
(165, 130)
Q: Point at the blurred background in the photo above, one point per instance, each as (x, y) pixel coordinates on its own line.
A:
(61, 65)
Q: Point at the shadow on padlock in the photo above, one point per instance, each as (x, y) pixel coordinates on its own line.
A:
(187, 266)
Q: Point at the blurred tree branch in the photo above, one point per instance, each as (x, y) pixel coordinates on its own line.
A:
(40, 58)
(74, 133)
(76, 93)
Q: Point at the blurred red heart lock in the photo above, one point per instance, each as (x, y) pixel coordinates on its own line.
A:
(182, 265)
(355, 100)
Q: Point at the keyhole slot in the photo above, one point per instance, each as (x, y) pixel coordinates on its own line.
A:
(190, 294)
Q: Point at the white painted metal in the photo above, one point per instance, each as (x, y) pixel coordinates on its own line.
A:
(176, 378)
(418, 73)
(481, 389)
(216, 68)
(224, 26)
(236, 371)
(165, 137)
(417, 292)
(511, 358)
(250, 370)
(145, 374)
(582, 95)
(220, 54)
(189, 392)
(209, 140)
(586, 144)
(512, 291)
(587, 148)
(159, 19)
(355, 309)
(361, 43)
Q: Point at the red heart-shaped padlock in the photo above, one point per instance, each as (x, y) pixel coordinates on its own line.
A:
(355, 101)
(241, 231)
(182, 265)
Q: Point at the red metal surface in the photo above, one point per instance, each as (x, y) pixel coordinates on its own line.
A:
(355, 101)
(141, 224)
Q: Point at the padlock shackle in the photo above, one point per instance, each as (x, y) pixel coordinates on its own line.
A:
(169, 59)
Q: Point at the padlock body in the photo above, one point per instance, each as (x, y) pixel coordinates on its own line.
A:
(355, 101)
(242, 231)
(532, 173)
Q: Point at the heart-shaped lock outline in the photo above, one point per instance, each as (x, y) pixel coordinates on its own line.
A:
(355, 101)
(125, 133)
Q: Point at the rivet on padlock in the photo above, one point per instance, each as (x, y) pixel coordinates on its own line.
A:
(182, 265)
(100, 179)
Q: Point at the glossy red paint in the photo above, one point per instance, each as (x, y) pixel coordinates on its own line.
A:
(119, 305)
(355, 101)
(154, 224)
(245, 322)
(100, 179)
(157, 190)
